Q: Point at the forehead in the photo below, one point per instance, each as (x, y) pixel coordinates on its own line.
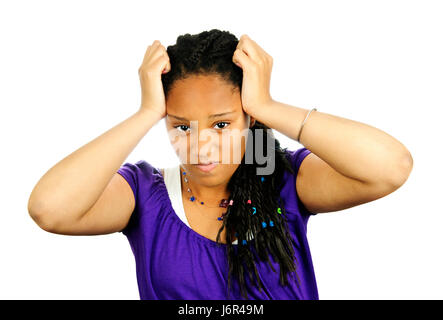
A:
(208, 91)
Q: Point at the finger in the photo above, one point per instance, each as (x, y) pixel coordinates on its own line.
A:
(161, 63)
(146, 55)
(241, 59)
(151, 48)
(157, 53)
(167, 67)
(250, 47)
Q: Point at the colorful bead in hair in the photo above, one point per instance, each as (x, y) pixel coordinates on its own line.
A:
(255, 210)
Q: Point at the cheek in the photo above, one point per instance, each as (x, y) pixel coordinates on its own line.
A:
(180, 145)
(233, 146)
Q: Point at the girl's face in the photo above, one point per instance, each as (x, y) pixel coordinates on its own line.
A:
(206, 123)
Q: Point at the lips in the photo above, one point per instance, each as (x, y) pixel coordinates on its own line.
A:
(206, 167)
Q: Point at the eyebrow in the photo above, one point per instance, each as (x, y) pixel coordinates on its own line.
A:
(210, 117)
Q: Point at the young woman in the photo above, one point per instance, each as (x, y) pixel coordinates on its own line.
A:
(195, 226)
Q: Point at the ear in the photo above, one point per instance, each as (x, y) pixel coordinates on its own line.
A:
(251, 121)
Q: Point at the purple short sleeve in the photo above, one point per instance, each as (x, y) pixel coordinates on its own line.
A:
(144, 180)
(130, 172)
(140, 176)
(296, 158)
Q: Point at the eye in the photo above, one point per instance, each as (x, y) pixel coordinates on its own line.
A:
(184, 128)
(227, 123)
(181, 126)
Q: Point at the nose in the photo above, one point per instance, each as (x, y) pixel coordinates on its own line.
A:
(205, 147)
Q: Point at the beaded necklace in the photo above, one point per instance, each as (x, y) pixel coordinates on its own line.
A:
(224, 203)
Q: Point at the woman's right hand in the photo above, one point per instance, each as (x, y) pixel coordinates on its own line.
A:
(155, 63)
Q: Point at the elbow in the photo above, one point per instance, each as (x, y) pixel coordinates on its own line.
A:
(403, 170)
(42, 217)
(44, 223)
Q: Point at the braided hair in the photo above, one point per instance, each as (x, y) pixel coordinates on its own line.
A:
(264, 217)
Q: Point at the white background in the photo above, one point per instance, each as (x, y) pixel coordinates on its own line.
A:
(68, 73)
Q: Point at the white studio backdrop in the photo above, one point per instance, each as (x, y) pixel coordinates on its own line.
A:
(68, 73)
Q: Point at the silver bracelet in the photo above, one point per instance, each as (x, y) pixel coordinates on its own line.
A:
(303, 123)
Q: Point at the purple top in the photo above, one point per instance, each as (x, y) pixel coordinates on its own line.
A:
(174, 262)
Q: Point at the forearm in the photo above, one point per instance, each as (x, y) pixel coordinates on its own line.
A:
(72, 186)
(354, 149)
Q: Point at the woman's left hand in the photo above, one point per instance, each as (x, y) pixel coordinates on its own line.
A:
(256, 65)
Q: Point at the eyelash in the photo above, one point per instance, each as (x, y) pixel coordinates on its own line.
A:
(182, 125)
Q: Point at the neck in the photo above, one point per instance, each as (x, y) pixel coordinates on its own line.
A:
(210, 195)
